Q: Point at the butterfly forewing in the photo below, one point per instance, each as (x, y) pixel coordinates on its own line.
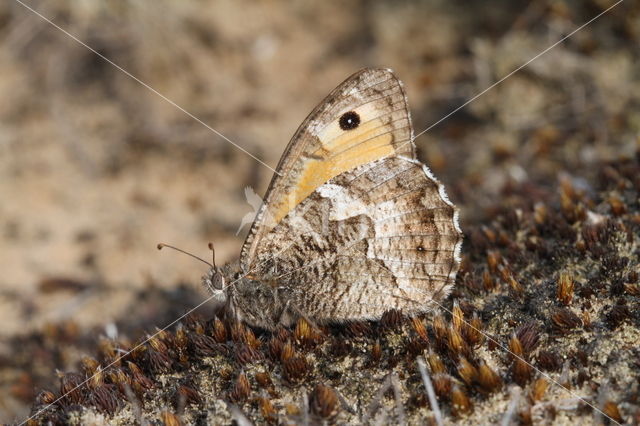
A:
(321, 149)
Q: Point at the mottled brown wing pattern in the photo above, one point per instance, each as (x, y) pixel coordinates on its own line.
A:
(321, 150)
(380, 236)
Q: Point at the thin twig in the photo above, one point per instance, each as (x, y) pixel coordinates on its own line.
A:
(431, 394)
(513, 404)
(395, 384)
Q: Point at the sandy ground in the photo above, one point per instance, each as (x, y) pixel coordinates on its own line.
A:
(95, 169)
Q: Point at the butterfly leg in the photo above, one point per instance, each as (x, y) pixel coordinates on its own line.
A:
(290, 314)
(284, 319)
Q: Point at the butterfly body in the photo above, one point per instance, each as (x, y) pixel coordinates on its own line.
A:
(353, 224)
(254, 302)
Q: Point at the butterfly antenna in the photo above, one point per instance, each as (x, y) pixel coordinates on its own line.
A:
(213, 255)
(163, 245)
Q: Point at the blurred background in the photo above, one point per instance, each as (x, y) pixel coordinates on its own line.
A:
(95, 169)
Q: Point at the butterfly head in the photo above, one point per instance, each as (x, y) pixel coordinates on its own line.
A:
(216, 282)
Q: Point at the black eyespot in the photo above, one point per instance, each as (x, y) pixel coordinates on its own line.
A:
(420, 248)
(349, 120)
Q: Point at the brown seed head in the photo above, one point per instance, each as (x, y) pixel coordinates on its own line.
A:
(275, 347)
(618, 207)
(457, 317)
(186, 395)
(515, 285)
(488, 379)
(489, 234)
(442, 384)
(549, 361)
(302, 332)
(460, 401)
(267, 410)
(419, 328)
(632, 288)
(287, 352)
(564, 319)
(241, 389)
(564, 291)
(158, 345)
(435, 363)
(610, 408)
(323, 401)
(292, 410)
(529, 336)
(306, 335)
(89, 365)
(71, 387)
(340, 348)
(139, 352)
(376, 352)
(163, 335)
(245, 354)
(238, 332)
(219, 331)
(586, 319)
(525, 416)
(392, 319)
(118, 377)
(467, 371)
(416, 346)
(251, 339)
(493, 260)
(358, 328)
(107, 350)
(522, 371)
(566, 202)
(515, 346)
(45, 397)
(487, 281)
(198, 327)
(473, 331)
(617, 315)
(104, 398)
(282, 334)
(538, 389)
(158, 361)
(457, 345)
(138, 378)
(264, 379)
(203, 345)
(169, 419)
(295, 369)
(440, 328)
(97, 378)
(181, 339)
(540, 213)
(226, 373)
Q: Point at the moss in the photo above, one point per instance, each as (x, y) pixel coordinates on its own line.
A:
(571, 318)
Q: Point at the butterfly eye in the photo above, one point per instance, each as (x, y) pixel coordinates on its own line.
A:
(218, 280)
(349, 120)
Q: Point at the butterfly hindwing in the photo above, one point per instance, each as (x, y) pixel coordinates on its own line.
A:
(378, 237)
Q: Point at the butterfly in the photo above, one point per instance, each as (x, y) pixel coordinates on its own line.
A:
(352, 224)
